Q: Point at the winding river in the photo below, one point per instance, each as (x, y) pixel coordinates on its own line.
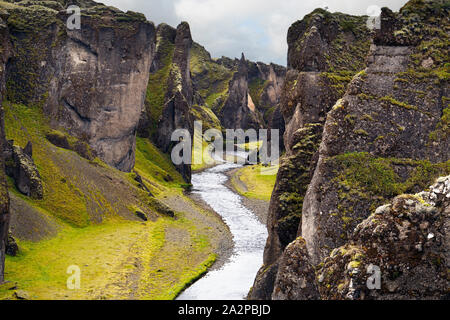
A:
(234, 280)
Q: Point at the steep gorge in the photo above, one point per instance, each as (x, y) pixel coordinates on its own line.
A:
(91, 113)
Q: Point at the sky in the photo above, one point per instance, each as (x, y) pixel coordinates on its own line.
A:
(256, 27)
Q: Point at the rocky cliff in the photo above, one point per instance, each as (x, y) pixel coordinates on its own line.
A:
(170, 92)
(388, 135)
(179, 98)
(407, 241)
(309, 92)
(250, 91)
(5, 52)
(91, 81)
(239, 110)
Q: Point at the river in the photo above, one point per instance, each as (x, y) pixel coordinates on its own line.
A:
(234, 280)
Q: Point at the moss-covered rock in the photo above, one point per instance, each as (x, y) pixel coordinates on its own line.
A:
(5, 53)
(21, 167)
(65, 141)
(58, 69)
(405, 241)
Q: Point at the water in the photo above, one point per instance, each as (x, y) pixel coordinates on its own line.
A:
(234, 280)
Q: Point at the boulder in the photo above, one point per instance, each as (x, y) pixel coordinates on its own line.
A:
(407, 241)
(296, 276)
(20, 166)
(11, 246)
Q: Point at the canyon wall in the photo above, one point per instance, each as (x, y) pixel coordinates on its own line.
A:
(176, 113)
(90, 81)
(242, 93)
(239, 111)
(311, 87)
(5, 52)
(376, 135)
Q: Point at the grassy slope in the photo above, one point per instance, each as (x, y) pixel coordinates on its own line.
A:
(118, 258)
(256, 182)
(213, 77)
(203, 153)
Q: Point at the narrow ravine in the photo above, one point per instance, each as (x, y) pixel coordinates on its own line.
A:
(234, 280)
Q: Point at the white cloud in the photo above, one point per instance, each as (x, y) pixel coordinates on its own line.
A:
(256, 27)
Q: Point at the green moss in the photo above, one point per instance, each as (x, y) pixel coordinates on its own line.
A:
(442, 131)
(157, 86)
(361, 132)
(366, 97)
(395, 102)
(211, 78)
(354, 264)
(338, 80)
(256, 87)
(351, 118)
(377, 176)
(29, 19)
(368, 117)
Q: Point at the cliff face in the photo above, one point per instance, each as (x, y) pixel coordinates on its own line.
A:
(265, 84)
(179, 97)
(5, 52)
(388, 135)
(244, 94)
(239, 111)
(170, 92)
(385, 125)
(90, 81)
(309, 92)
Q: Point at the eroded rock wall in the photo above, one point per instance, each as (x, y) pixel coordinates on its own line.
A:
(239, 110)
(5, 53)
(179, 97)
(379, 140)
(387, 136)
(406, 241)
(310, 89)
(90, 81)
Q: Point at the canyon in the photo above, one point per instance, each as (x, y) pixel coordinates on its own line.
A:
(86, 122)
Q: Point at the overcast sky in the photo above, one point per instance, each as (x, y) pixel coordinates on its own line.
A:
(256, 27)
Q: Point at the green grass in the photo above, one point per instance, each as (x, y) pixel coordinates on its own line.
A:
(119, 259)
(157, 86)
(108, 256)
(258, 180)
(250, 146)
(207, 117)
(212, 78)
(61, 197)
(203, 153)
(154, 166)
